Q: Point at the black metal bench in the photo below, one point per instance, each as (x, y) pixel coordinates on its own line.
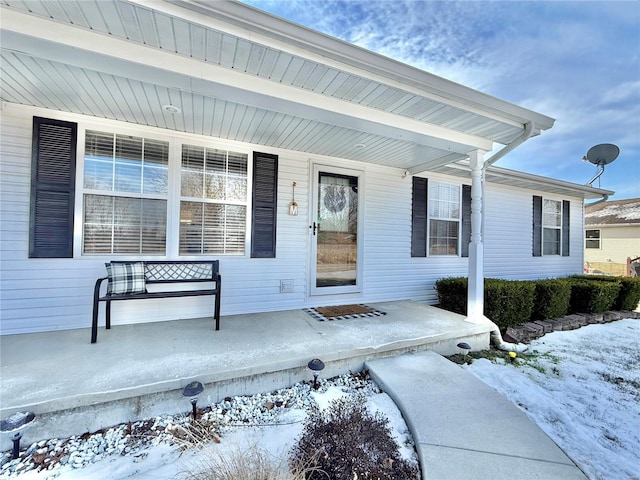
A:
(152, 272)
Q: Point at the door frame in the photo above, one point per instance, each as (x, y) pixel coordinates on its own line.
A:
(315, 170)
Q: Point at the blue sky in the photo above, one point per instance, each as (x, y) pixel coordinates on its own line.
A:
(575, 61)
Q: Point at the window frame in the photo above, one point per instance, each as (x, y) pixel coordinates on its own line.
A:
(557, 227)
(539, 225)
(204, 200)
(419, 218)
(114, 194)
(173, 196)
(433, 186)
(593, 239)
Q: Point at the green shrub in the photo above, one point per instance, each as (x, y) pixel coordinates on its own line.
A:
(629, 296)
(508, 302)
(345, 442)
(551, 298)
(514, 302)
(452, 294)
(593, 296)
(603, 278)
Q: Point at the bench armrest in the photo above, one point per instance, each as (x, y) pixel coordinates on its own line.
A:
(96, 289)
(96, 301)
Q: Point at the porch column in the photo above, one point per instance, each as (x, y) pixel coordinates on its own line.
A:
(475, 292)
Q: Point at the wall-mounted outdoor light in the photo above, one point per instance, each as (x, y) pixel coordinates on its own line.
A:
(15, 425)
(315, 365)
(193, 390)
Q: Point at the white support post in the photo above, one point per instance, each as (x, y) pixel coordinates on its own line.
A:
(475, 292)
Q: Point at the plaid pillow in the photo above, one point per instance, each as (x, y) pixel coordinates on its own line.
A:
(126, 277)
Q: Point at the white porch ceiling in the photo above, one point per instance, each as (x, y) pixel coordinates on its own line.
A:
(238, 73)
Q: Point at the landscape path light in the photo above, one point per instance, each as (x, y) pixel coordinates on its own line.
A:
(15, 425)
(316, 365)
(192, 390)
(465, 347)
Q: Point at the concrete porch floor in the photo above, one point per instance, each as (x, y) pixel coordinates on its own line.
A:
(138, 371)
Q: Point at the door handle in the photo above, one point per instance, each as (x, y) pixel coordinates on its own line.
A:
(315, 227)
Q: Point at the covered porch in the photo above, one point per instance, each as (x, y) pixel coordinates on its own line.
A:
(139, 371)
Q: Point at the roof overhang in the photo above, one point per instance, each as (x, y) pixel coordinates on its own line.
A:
(241, 74)
(514, 178)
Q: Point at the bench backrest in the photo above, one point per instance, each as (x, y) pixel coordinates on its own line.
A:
(181, 271)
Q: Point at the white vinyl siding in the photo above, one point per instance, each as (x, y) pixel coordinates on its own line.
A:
(51, 294)
(508, 237)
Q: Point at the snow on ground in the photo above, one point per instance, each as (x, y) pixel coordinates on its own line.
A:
(276, 436)
(582, 387)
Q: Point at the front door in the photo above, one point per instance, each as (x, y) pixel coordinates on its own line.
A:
(335, 231)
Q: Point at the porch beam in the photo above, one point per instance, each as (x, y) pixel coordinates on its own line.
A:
(446, 160)
(475, 292)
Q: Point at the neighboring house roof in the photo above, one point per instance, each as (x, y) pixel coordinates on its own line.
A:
(238, 73)
(615, 212)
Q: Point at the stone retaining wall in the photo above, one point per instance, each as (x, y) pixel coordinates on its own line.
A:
(533, 330)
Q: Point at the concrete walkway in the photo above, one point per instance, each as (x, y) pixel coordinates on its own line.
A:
(462, 427)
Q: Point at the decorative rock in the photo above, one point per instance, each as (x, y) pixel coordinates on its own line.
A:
(514, 335)
(547, 327)
(262, 409)
(611, 316)
(533, 330)
(593, 318)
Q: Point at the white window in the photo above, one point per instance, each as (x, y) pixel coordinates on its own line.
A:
(551, 227)
(592, 239)
(213, 201)
(444, 218)
(125, 194)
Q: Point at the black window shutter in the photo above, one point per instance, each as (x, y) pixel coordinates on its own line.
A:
(265, 196)
(53, 172)
(466, 221)
(566, 222)
(419, 217)
(537, 226)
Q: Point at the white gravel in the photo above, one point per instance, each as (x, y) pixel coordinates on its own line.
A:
(57, 458)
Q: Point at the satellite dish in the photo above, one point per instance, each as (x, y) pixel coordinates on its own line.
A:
(601, 155)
